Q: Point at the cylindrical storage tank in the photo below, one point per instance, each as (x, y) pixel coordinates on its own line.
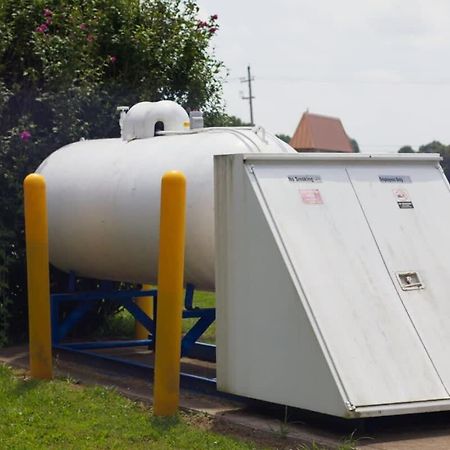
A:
(104, 197)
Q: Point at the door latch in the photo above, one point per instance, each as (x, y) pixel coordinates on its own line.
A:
(409, 281)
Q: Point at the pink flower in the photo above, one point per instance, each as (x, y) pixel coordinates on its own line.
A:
(49, 21)
(112, 59)
(90, 38)
(214, 17)
(83, 26)
(43, 28)
(48, 12)
(25, 135)
(201, 24)
(212, 30)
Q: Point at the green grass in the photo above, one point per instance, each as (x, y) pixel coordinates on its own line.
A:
(61, 415)
(203, 300)
(121, 325)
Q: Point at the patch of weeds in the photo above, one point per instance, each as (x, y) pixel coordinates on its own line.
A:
(283, 430)
(313, 446)
(351, 442)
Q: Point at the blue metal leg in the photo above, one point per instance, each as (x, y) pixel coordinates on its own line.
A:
(139, 315)
(192, 336)
(54, 315)
(189, 296)
(108, 344)
(72, 282)
(73, 318)
(189, 345)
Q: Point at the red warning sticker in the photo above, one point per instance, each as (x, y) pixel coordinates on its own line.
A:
(311, 196)
(401, 195)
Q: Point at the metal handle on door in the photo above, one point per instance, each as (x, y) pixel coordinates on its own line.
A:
(409, 281)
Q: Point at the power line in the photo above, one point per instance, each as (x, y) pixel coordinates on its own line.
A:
(346, 81)
(390, 145)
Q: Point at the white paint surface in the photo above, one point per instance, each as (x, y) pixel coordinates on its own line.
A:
(104, 195)
(414, 240)
(341, 238)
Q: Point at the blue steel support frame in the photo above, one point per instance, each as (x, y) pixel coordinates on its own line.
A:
(190, 346)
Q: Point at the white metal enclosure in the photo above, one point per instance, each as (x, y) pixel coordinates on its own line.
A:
(331, 281)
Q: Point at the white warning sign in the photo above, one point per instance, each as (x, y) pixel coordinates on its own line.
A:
(403, 199)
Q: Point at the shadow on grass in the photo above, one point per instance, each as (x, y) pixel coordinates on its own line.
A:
(164, 424)
(22, 387)
(13, 381)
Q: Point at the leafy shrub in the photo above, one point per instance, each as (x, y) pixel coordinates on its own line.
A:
(64, 68)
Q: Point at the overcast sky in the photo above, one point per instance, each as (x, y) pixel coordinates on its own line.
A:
(381, 66)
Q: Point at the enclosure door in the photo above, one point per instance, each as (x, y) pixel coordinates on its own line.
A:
(345, 288)
(408, 209)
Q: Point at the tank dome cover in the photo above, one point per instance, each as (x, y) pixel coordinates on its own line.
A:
(141, 119)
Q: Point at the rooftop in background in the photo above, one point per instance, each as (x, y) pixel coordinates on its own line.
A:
(317, 133)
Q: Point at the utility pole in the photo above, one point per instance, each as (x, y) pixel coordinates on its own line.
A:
(250, 96)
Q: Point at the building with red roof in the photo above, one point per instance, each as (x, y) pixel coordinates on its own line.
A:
(316, 133)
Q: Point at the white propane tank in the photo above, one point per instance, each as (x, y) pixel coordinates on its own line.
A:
(104, 195)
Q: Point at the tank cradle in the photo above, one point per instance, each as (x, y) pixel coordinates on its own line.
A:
(190, 347)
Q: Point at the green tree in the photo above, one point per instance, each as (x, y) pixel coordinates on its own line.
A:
(443, 150)
(220, 119)
(64, 68)
(284, 137)
(434, 147)
(406, 149)
(355, 145)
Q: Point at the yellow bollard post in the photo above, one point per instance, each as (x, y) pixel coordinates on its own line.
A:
(166, 390)
(36, 235)
(146, 304)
